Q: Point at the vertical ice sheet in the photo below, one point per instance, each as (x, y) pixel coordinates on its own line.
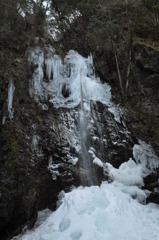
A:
(53, 67)
(11, 89)
(49, 65)
(36, 89)
(145, 155)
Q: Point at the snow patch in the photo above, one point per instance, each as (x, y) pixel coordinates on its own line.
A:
(73, 160)
(53, 169)
(96, 160)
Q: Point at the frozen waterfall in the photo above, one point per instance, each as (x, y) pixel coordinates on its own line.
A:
(71, 84)
(65, 80)
(115, 210)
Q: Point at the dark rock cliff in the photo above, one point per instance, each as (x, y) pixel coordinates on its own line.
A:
(34, 136)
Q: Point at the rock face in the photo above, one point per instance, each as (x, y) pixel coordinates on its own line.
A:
(152, 184)
(50, 130)
(55, 113)
(146, 94)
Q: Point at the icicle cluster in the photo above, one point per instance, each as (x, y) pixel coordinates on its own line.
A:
(65, 79)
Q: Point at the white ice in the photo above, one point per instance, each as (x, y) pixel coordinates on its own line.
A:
(96, 160)
(53, 169)
(36, 57)
(11, 89)
(35, 145)
(144, 154)
(74, 75)
(129, 173)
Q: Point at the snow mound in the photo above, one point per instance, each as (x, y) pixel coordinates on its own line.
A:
(129, 173)
(99, 213)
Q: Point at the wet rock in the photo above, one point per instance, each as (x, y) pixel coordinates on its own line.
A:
(152, 184)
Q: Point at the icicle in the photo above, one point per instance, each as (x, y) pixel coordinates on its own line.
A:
(65, 80)
(36, 89)
(49, 67)
(145, 155)
(56, 67)
(35, 145)
(90, 68)
(11, 89)
(3, 120)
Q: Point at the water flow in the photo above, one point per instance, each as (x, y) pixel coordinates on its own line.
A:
(72, 84)
(86, 169)
(97, 122)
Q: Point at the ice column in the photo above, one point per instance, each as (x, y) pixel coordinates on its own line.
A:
(11, 89)
(87, 173)
(53, 67)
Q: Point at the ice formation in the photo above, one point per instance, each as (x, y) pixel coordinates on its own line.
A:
(53, 168)
(11, 89)
(115, 210)
(72, 84)
(69, 82)
(35, 145)
(144, 154)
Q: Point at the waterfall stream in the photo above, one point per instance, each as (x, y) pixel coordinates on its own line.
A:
(87, 174)
(91, 123)
(72, 84)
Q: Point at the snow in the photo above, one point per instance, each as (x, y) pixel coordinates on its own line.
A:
(11, 89)
(116, 111)
(95, 138)
(113, 211)
(96, 160)
(98, 213)
(129, 173)
(73, 160)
